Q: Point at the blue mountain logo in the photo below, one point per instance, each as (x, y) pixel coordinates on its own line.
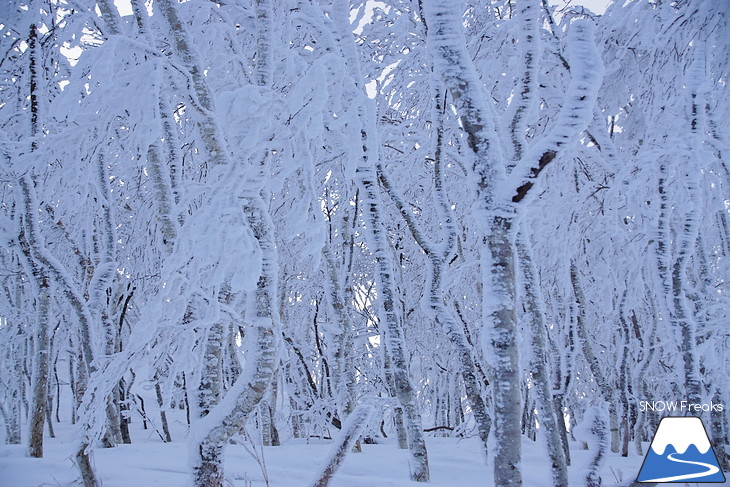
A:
(680, 452)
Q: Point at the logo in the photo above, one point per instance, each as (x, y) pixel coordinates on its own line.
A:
(680, 407)
(680, 452)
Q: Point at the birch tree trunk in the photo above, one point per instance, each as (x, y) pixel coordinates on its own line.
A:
(389, 320)
(54, 268)
(498, 273)
(41, 335)
(529, 36)
(499, 201)
(549, 417)
(39, 379)
(351, 430)
(719, 431)
(624, 391)
(164, 183)
(226, 417)
(688, 233)
(438, 255)
(12, 412)
(163, 176)
(454, 65)
(102, 280)
(398, 420)
(367, 159)
(593, 432)
(605, 387)
(343, 372)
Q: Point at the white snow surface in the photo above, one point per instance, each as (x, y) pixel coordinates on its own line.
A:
(149, 462)
(680, 432)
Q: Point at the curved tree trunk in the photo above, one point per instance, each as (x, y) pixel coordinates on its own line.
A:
(226, 417)
(351, 430)
(438, 256)
(548, 417)
(366, 176)
(392, 330)
(41, 335)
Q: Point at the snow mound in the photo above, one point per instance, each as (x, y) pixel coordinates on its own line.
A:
(680, 432)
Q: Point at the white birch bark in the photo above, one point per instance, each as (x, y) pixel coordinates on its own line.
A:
(163, 181)
(11, 419)
(605, 387)
(104, 271)
(343, 371)
(643, 366)
(97, 308)
(539, 371)
(109, 13)
(687, 235)
(366, 152)
(12, 386)
(41, 336)
(529, 36)
(438, 256)
(575, 115)
(624, 389)
(389, 320)
(39, 380)
(398, 416)
(77, 301)
(225, 418)
(592, 431)
(351, 430)
(454, 65)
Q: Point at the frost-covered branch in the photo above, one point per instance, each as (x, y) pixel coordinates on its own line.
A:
(365, 150)
(593, 431)
(574, 116)
(529, 36)
(453, 63)
(349, 434)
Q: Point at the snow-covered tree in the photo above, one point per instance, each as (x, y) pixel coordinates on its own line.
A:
(361, 219)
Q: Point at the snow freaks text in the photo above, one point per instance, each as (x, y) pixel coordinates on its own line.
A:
(680, 407)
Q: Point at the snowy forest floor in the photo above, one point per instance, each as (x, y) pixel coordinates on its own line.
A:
(149, 462)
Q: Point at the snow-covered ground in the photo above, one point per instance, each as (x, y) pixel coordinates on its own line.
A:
(149, 462)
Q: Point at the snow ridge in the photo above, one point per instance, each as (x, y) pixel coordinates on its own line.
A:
(680, 432)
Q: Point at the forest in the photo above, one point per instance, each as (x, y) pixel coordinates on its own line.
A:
(356, 232)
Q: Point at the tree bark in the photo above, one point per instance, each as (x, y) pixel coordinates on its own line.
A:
(225, 418)
(498, 275)
(398, 422)
(41, 335)
(605, 388)
(501, 197)
(365, 174)
(343, 371)
(438, 256)
(548, 417)
(454, 65)
(391, 325)
(351, 430)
